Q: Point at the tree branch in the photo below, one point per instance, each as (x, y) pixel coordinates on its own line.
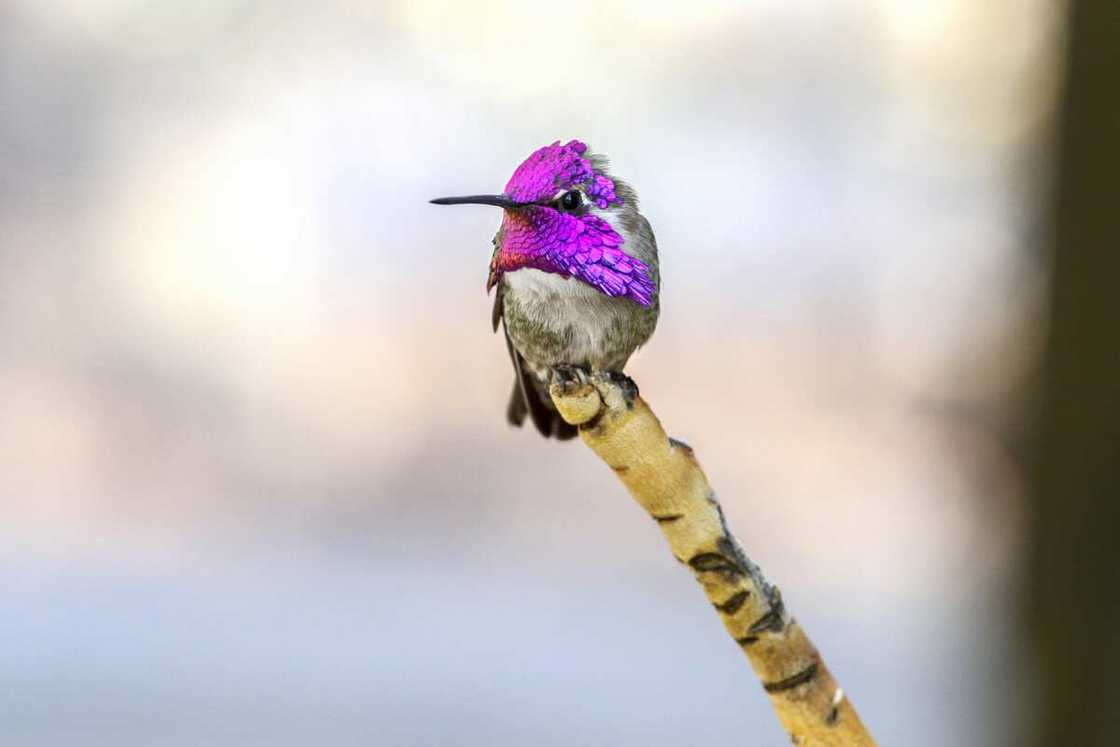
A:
(664, 477)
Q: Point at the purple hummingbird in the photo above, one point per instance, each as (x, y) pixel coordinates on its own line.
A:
(575, 265)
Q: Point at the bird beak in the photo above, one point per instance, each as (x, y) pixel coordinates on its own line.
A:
(497, 200)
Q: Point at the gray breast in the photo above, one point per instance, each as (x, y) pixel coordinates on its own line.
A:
(556, 321)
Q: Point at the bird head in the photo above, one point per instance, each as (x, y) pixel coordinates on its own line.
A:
(565, 214)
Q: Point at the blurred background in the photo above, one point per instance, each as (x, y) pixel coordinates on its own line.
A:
(257, 486)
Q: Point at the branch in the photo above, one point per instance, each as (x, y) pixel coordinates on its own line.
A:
(664, 477)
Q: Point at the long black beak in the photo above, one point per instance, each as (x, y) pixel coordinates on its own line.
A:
(497, 200)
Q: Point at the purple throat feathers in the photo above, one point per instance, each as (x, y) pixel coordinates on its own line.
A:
(584, 246)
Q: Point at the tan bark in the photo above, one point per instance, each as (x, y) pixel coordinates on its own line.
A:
(664, 477)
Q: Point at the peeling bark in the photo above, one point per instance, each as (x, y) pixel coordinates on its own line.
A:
(664, 477)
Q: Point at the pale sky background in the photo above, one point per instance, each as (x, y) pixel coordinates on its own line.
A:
(258, 487)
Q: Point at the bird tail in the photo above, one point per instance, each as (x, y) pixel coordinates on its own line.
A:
(530, 397)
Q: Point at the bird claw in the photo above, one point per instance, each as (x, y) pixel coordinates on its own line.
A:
(628, 386)
(575, 395)
(570, 379)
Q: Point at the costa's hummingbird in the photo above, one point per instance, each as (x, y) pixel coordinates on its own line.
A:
(576, 272)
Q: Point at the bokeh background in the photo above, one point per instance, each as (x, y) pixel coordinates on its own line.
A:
(257, 487)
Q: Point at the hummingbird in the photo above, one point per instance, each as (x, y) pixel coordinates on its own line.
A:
(576, 272)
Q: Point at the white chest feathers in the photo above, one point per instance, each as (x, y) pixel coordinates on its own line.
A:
(571, 308)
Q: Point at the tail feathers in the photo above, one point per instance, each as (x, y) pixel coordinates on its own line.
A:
(516, 410)
(530, 397)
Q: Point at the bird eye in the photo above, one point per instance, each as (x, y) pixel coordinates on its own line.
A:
(571, 200)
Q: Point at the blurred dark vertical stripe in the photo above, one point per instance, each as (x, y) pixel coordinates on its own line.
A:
(1073, 610)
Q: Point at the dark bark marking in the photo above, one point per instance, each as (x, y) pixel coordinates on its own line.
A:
(746, 640)
(621, 468)
(734, 604)
(734, 555)
(793, 681)
(729, 547)
(667, 518)
(772, 620)
(677, 444)
(833, 715)
(713, 561)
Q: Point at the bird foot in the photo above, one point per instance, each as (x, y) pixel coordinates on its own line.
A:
(625, 383)
(574, 393)
(570, 380)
